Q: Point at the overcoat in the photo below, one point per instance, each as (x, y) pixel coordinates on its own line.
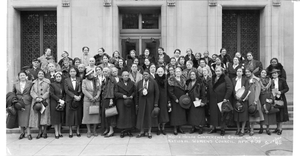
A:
(146, 104)
(40, 88)
(231, 71)
(218, 91)
(23, 116)
(176, 89)
(255, 88)
(240, 116)
(126, 117)
(73, 117)
(282, 115)
(56, 93)
(196, 115)
(136, 78)
(162, 83)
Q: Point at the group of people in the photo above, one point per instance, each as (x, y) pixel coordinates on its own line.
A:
(151, 91)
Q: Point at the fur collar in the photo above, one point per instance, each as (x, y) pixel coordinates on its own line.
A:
(219, 81)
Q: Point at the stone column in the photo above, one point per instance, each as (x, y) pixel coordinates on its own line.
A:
(214, 27)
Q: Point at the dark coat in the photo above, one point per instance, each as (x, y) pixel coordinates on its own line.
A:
(193, 59)
(120, 70)
(51, 78)
(56, 93)
(166, 58)
(219, 91)
(99, 59)
(11, 119)
(240, 117)
(61, 61)
(73, 117)
(257, 67)
(231, 72)
(126, 117)
(163, 100)
(196, 115)
(23, 116)
(129, 61)
(279, 66)
(146, 104)
(206, 82)
(142, 59)
(226, 58)
(176, 90)
(208, 61)
(282, 115)
(34, 72)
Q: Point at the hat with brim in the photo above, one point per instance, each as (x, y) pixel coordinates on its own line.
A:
(74, 105)
(155, 112)
(185, 101)
(37, 106)
(90, 71)
(19, 105)
(25, 67)
(252, 109)
(128, 102)
(275, 70)
(269, 108)
(239, 107)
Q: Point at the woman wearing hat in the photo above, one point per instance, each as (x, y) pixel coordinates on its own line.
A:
(164, 102)
(176, 89)
(125, 94)
(40, 94)
(240, 104)
(22, 90)
(57, 104)
(279, 88)
(91, 91)
(266, 93)
(147, 99)
(274, 64)
(196, 114)
(72, 87)
(253, 99)
(220, 90)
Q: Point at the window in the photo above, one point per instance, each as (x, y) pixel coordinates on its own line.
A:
(130, 21)
(150, 21)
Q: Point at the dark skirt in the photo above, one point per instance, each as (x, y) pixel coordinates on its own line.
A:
(196, 116)
(270, 119)
(56, 117)
(163, 116)
(126, 115)
(106, 122)
(23, 116)
(178, 115)
(241, 116)
(73, 117)
(282, 115)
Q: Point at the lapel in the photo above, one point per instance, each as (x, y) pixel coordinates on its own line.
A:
(69, 81)
(220, 81)
(77, 83)
(18, 88)
(126, 88)
(26, 86)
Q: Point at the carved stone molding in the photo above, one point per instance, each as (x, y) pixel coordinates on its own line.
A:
(66, 3)
(276, 3)
(107, 3)
(171, 3)
(212, 3)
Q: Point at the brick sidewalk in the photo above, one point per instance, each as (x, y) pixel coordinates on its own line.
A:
(182, 144)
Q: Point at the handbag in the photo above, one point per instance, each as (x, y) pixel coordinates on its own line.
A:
(226, 107)
(278, 104)
(60, 108)
(112, 111)
(94, 109)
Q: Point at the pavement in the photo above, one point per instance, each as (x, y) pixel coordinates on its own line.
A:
(182, 144)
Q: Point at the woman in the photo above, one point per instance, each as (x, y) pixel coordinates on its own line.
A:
(279, 88)
(152, 69)
(181, 63)
(196, 114)
(146, 64)
(253, 99)
(218, 63)
(91, 65)
(176, 89)
(190, 56)
(115, 58)
(85, 55)
(213, 58)
(130, 58)
(232, 68)
(147, 98)
(125, 96)
(57, 96)
(164, 102)
(121, 66)
(22, 90)
(72, 87)
(266, 93)
(134, 75)
(274, 64)
(44, 58)
(51, 72)
(91, 91)
(220, 90)
(107, 88)
(40, 93)
(240, 116)
(197, 60)
(76, 62)
(146, 55)
(66, 68)
(172, 63)
(225, 58)
(203, 65)
(240, 58)
(105, 62)
(99, 57)
(139, 66)
(206, 80)
(171, 71)
(81, 71)
(177, 54)
(189, 67)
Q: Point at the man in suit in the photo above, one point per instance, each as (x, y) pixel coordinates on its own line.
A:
(35, 68)
(255, 65)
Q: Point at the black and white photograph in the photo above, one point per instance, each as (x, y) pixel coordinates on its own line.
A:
(150, 77)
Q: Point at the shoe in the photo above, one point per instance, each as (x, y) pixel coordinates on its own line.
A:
(175, 132)
(180, 130)
(212, 131)
(88, 134)
(279, 132)
(200, 130)
(192, 130)
(222, 132)
(260, 131)
(39, 136)
(268, 132)
(140, 135)
(70, 135)
(57, 137)
(95, 134)
(122, 135)
(22, 136)
(275, 131)
(60, 135)
(129, 134)
(158, 132)
(237, 132)
(78, 134)
(29, 137)
(149, 135)
(104, 133)
(45, 136)
(247, 130)
(109, 135)
(251, 133)
(241, 134)
(163, 132)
